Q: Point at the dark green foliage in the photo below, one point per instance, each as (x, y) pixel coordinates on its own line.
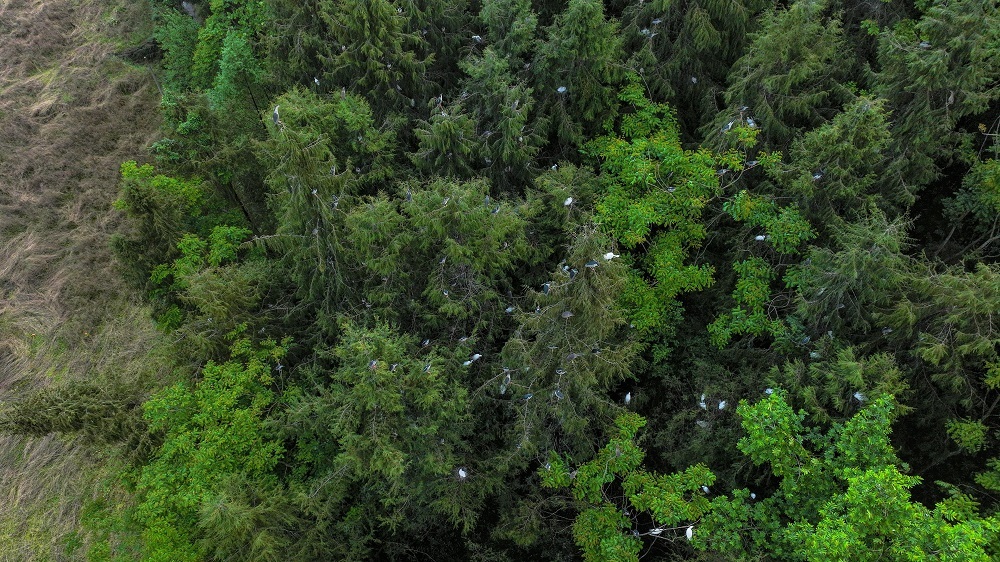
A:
(684, 50)
(833, 170)
(177, 35)
(840, 287)
(935, 71)
(577, 70)
(449, 144)
(487, 237)
(504, 108)
(379, 447)
(972, 213)
(570, 347)
(100, 412)
(371, 47)
(792, 75)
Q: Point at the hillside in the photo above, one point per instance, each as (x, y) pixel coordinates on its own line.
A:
(70, 113)
(500, 280)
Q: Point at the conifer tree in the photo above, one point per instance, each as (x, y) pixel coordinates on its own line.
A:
(576, 72)
(324, 152)
(371, 49)
(793, 75)
(934, 71)
(684, 50)
(508, 123)
(437, 260)
(448, 143)
(380, 448)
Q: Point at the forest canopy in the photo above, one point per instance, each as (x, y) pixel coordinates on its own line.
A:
(528, 280)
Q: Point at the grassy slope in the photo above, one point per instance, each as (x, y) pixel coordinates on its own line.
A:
(70, 112)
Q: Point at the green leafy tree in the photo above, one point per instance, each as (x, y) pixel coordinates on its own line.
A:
(213, 290)
(654, 198)
(103, 412)
(840, 287)
(212, 432)
(160, 209)
(438, 260)
(569, 350)
(512, 28)
(225, 34)
(841, 493)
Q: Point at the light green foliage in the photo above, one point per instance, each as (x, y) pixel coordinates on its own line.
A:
(160, 209)
(212, 431)
(655, 195)
(841, 494)
(613, 482)
(969, 434)
(786, 231)
(751, 315)
(609, 486)
(211, 290)
(860, 500)
(223, 42)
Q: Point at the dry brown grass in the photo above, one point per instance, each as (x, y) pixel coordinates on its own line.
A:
(70, 113)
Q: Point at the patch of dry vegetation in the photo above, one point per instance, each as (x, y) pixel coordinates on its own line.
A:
(70, 113)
